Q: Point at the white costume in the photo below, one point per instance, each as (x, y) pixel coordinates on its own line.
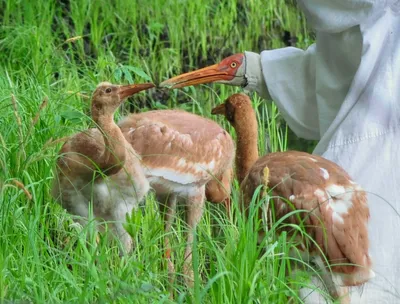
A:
(345, 91)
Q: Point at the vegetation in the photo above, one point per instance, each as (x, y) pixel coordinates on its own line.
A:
(52, 55)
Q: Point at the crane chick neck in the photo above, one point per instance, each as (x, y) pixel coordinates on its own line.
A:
(239, 111)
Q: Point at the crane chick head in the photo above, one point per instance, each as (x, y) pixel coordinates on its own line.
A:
(237, 109)
(107, 97)
(230, 70)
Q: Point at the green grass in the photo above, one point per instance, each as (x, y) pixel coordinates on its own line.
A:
(52, 55)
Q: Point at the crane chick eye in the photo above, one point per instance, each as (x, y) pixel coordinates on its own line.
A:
(108, 90)
(233, 65)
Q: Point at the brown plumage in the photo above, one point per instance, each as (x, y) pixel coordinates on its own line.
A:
(184, 157)
(100, 165)
(336, 208)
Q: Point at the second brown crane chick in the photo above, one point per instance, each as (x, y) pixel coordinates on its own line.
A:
(337, 211)
(185, 157)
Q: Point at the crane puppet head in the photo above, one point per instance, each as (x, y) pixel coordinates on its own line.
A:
(230, 70)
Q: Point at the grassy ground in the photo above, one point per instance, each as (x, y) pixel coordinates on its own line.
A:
(52, 55)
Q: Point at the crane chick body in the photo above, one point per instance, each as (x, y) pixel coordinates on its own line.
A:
(337, 210)
(99, 165)
(336, 207)
(180, 151)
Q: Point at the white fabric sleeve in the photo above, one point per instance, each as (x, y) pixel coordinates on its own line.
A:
(333, 16)
(289, 74)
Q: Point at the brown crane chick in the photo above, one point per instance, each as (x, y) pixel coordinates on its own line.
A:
(184, 157)
(337, 210)
(99, 164)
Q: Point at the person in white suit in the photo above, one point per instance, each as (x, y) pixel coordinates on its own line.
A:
(344, 91)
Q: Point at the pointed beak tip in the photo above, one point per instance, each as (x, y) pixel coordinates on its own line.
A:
(218, 110)
(147, 85)
(129, 90)
(151, 85)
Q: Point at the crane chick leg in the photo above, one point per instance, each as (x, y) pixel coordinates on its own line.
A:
(168, 210)
(332, 282)
(337, 291)
(227, 203)
(194, 212)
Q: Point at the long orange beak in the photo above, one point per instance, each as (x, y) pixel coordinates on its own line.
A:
(220, 109)
(131, 89)
(208, 74)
